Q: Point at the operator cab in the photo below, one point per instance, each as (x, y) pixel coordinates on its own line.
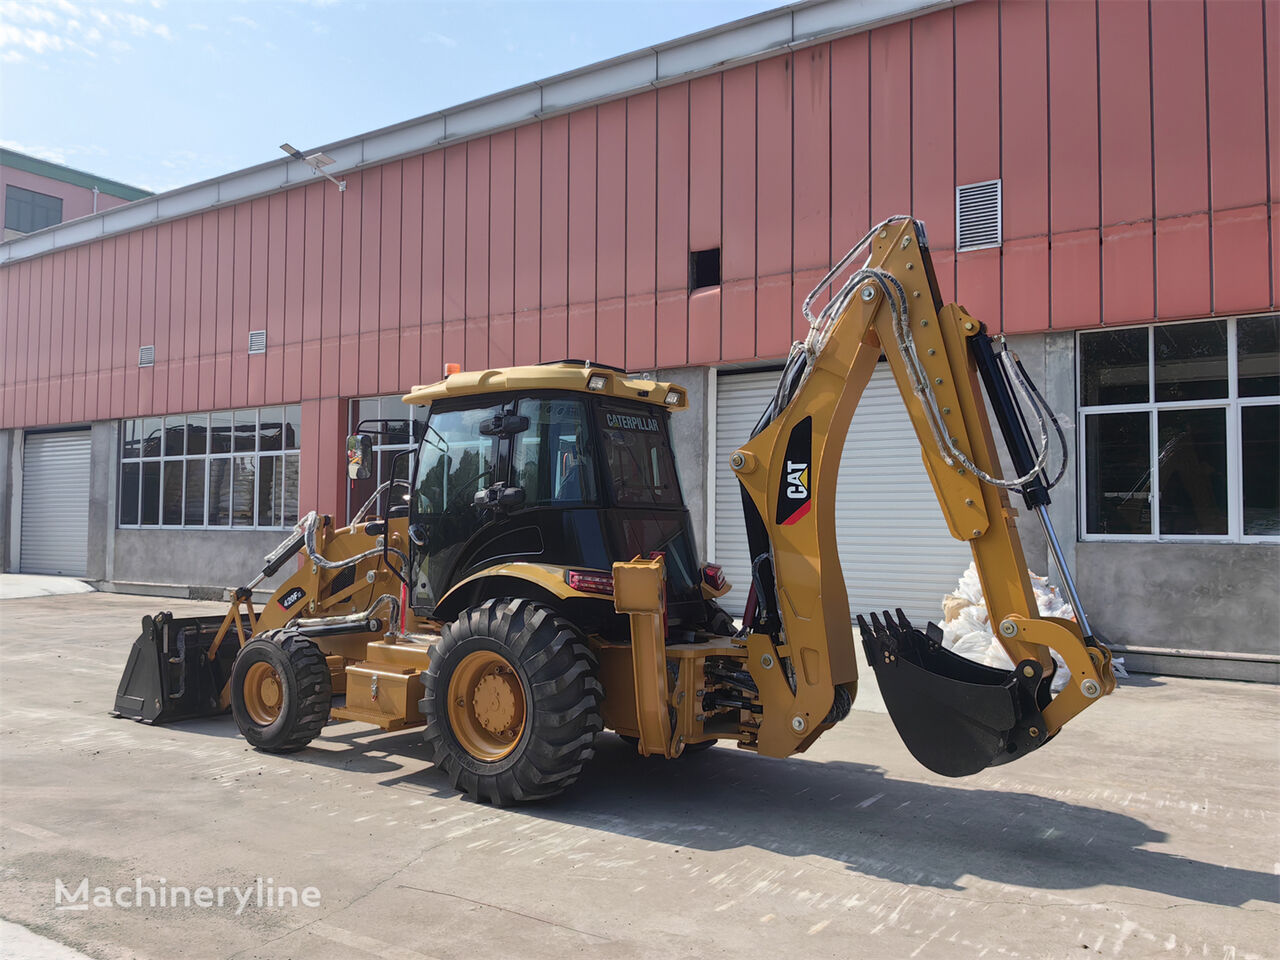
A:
(567, 479)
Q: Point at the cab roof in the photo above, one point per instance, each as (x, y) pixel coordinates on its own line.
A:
(561, 375)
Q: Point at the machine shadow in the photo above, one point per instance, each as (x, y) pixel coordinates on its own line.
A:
(929, 834)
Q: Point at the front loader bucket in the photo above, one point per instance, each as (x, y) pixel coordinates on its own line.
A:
(169, 675)
(955, 716)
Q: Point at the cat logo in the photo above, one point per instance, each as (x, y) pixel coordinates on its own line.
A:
(794, 492)
(797, 480)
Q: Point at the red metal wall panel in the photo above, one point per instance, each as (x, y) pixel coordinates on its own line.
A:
(611, 232)
(386, 375)
(278, 245)
(673, 226)
(1024, 133)
(1241, 261)
(705, 135)
(331, 273)
(57, 290)
(891, 128)
(146, 377)
(1178, 103)
(738, 254)
(1128, 272)
(370, 258)
(811, 182)
(348, 357)
(313, 280)
(933, 127)
(977, 92)
(476, 355)
(174, 308)
(582, 233)
(409, 347)
(850, 142)
(774, 294)
(502, 249)
(294, 254)
(81, 330)
(455, 253)
(1075, 280)
(219, 389)
(528, 268)
(1237, 81)
(259, 273)
(1182, 267)
(432, 362)
(1128, 243)
(642, 132)
(555, 239)
(1073, 116)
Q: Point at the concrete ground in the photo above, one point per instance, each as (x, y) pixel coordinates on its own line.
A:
(1148, 828)
(15, 586)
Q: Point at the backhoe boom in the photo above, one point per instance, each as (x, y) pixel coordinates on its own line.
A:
(956, 716)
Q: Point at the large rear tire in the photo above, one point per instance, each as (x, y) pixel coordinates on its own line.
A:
(512, 702)
(280, 692)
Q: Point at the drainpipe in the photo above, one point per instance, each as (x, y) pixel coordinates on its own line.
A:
(95, 199)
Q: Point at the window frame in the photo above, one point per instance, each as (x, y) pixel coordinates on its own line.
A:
(1233, 404)
(258, 454)
(417, 414)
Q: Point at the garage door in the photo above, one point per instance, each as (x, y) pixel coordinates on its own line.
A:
(55, 503)
(894, 546)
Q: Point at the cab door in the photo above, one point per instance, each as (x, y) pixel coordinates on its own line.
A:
(458, 458)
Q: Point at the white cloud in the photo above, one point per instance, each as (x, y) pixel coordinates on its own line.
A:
(42, 27)
(52, 154)
(245, 22)
(431, 36)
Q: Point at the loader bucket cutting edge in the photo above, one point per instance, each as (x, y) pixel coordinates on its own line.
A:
(956, 716)
(169, 675)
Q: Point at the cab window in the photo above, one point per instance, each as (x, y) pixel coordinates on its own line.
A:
(637, 454)
(455, 461)
(552, 459)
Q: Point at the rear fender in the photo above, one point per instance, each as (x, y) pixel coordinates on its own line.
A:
(541, 582)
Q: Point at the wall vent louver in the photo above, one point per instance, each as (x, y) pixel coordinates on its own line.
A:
(978, 215)
(257, 341)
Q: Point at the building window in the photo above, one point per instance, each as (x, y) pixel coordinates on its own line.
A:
(395, 437)
(27, 211)
(1180, 431)
(231, 468)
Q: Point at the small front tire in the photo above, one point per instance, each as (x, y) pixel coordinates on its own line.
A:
(280, 692)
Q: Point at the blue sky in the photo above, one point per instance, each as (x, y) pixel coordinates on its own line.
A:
(161, 93)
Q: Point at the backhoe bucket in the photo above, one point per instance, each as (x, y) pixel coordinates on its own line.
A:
(169, 675)
(955, 716)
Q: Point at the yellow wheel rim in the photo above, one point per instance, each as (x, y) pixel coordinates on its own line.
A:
(263, 693)
(487, 707)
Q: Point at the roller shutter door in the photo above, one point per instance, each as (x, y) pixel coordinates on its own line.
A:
(894, 546)
(55, 503)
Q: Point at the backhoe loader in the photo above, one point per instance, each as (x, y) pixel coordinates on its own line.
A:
(534, 582)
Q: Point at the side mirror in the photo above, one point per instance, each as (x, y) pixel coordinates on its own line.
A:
(359, 456)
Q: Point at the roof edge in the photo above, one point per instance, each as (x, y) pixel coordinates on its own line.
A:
(64, 174)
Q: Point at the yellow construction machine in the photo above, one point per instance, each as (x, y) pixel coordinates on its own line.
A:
(534, 581)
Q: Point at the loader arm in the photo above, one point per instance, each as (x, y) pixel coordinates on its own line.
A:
(956, 716)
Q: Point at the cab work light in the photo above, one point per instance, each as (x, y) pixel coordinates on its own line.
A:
(589, 581)
(597, 381)
(673, 396)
